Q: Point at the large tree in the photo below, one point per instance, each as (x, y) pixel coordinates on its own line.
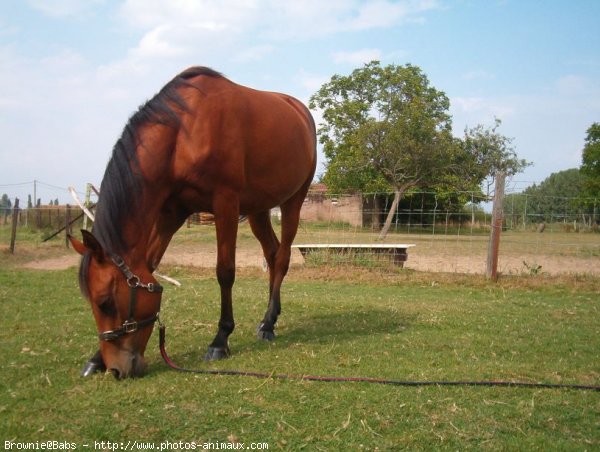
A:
(385, 127)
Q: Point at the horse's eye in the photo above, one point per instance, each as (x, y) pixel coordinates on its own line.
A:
(107, 306)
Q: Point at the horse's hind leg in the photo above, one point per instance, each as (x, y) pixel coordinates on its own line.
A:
(261, 228)
(263, 231)
(278, 267)
(226, 222)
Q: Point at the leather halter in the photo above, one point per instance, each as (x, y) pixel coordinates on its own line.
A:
(131, 325)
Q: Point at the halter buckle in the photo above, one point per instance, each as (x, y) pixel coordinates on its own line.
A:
(130, 326)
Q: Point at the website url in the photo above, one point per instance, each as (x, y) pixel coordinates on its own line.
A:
(134, 445)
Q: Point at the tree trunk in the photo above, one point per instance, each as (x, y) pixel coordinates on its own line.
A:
(391, 213)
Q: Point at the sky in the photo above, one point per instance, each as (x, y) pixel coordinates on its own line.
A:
(73, 71)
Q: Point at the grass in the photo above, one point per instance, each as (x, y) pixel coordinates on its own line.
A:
(350, 321)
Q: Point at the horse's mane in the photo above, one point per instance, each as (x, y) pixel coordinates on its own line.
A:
(121, 184)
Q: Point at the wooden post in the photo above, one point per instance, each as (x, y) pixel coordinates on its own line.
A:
(494, 245)
(38, 215)
(15, 219)
(67, 224)
(86, 203)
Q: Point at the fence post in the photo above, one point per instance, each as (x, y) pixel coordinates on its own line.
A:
(494, 245)
(67, 224)
(15, 219)
(38, 214)
(86, 203)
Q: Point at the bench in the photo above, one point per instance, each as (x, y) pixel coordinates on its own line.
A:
(397, 251)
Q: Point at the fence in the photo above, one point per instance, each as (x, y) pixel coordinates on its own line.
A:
(48, 220)
(451, 231)
(42, 218)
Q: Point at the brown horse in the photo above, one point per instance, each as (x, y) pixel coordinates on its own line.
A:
(203, 143)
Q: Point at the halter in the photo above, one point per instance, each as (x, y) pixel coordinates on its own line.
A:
(134, 282)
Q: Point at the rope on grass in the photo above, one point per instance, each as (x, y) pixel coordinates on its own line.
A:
(240, 373)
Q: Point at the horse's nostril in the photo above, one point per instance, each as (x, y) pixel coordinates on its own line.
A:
(116, 373)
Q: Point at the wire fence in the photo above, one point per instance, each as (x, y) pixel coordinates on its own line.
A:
(450, 231)
(452, 235)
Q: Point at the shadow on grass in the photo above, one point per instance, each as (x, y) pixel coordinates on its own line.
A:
(341, 328)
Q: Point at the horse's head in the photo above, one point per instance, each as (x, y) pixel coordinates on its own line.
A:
(125, 304)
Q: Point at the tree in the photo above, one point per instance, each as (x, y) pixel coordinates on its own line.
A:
(5, 203)
(490, 152)
(590, 161)
(384, 127)
(560, 196)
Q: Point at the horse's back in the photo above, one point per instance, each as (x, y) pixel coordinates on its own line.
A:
(260, 144)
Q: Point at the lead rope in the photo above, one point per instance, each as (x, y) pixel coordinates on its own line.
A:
(512, 384)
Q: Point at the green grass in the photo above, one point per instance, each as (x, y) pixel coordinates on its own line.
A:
(339, 321)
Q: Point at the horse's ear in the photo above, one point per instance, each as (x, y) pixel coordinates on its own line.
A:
(77, 245)
(90, 245)
(93, 245)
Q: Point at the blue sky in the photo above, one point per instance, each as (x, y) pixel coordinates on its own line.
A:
(72, 71)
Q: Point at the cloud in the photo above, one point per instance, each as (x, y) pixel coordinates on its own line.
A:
(203, 14)
(255, 53)
(478, 74)
(481, 105)
(311, 82)
(573, 85)
(310, 18)
(64, 8)
(357, 57)
(470, 111)
(159, 43)
(274, 19)
(383, 13)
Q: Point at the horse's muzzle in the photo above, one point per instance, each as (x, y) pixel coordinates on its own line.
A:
(127, 365)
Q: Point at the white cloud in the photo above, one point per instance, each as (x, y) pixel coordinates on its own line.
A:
(159, 43)
(64, 8)
(311, 82)
(478, 74)
(357, 57)
(481, 106)
(206, 14)
(255, 53)
(273, 19)
(382, 14)
(573, 85)
(310, 18)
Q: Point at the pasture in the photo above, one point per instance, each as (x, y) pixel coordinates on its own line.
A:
(336, 320)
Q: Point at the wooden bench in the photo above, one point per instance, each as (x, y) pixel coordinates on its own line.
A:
(397, 251)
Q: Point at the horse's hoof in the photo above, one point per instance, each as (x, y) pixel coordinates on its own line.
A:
(217, 353)
(263, 335)
(91, 367)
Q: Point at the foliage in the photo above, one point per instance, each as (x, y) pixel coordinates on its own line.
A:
(559, 196)
(490, 152)
(590, 164)
(385, 127)
(5, 203)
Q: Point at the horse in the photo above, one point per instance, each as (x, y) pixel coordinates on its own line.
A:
(202, 144)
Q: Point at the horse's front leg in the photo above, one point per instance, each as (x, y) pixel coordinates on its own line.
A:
(226, 210)
(95, 364)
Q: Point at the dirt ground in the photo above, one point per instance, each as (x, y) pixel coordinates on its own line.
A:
(201, 257)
